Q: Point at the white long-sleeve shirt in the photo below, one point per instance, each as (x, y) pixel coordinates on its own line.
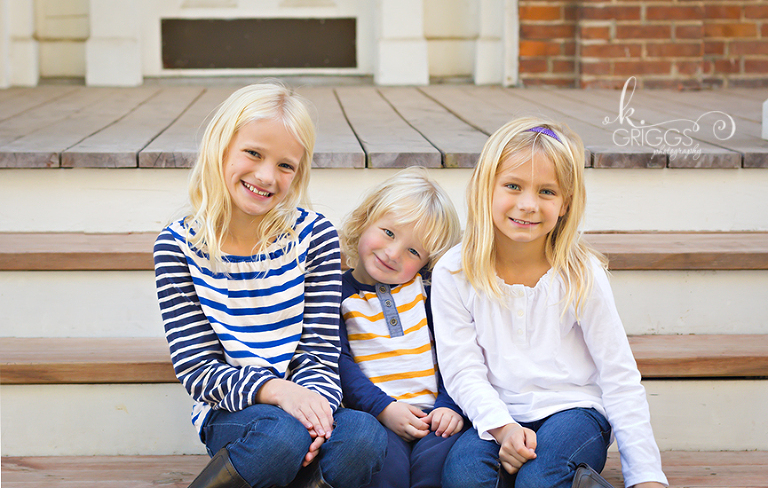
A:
(524, 362)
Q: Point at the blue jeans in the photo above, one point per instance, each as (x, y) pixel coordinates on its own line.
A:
(564, 440)
(267, 445)
(416, 464)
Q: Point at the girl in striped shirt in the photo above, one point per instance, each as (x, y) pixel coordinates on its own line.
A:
(388, 365)
(249, 288)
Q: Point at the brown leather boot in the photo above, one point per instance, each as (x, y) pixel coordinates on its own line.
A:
(219, 473)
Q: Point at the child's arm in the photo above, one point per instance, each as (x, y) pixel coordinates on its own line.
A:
(315, 363)
(623, 395)
(460, 358)
(196, 353)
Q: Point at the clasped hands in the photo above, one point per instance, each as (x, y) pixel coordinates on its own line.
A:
(308, 407)
(411, 423)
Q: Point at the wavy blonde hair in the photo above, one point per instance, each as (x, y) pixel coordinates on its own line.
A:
(211, 203)
(412, 197)
(565, 249)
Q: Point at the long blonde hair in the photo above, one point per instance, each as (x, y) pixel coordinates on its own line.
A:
(565, 249)
(211, 203)
(411, 197)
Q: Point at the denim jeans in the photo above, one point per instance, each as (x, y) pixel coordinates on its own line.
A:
(267, 445)
(415, 464)
(564, 440)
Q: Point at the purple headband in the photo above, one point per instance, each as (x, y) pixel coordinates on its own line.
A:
(544, 130)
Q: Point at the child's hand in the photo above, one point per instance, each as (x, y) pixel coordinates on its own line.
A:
(444, 421)
(518, 446)
(308, 407)
(314, 450)
(404, 420)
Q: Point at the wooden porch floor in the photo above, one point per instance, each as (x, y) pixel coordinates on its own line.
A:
(158, 126)
(683, 469)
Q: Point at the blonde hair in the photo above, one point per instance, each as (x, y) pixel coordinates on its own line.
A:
(565, 249)
(211, 203)
(411, 197)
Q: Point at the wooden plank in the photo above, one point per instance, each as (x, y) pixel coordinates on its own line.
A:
(85, 360)
(75, 251)
(18, 100)
(725, 469)
(626, 251)
(459, 143)
(683, 251)
(461, 101)
(607, 102)
(692, 356)
(387, 139)
(146, 360)
(42, 147)
(336, 145)
(176, 146)
(747, 138)
(118, 145)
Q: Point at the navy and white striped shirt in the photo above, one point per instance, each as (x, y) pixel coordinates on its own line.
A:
(257, 318)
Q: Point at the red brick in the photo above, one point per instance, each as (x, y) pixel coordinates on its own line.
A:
(603, 83)
(597, 68)
(567, 82)
(594, 32)
(693, 31)
(611, 51)
(570, 11)
(749, 83)
(636, 68)
(539, 48)
(722, 12)
(689, 67)
(727, 66)
(569, 48)
(714, 48)
(756, 11)
(541, 12)
(533, 65)
(609, 13)
(643, 31)
(764, 30)
(707, 67)
(756, 66)
(730, 30)
(556, 31)
(674, 50)
(741, 48)
(563, 66)
(690, 12)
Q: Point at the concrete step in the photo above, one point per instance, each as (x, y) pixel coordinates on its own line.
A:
(124, 303)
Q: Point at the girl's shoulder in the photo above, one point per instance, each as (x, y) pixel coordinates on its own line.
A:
(451, 260)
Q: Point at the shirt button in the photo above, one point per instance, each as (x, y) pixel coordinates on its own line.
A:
(393, 321)
(520, 313)
(388, 303)
(382, 289)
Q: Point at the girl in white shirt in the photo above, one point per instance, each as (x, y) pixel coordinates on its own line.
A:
(528, 338)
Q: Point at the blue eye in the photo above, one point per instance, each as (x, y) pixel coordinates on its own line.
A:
(287, 166)
(253, 153)
(513, 186)
(548, 192)
(414, 252)
(389, 233)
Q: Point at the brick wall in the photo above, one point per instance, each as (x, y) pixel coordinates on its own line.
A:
(663, 43)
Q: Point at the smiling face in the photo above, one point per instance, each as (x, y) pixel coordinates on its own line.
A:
(527, 201)
(389, 253)
(260, 163)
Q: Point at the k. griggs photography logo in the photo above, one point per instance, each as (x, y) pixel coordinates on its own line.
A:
(672, 137)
